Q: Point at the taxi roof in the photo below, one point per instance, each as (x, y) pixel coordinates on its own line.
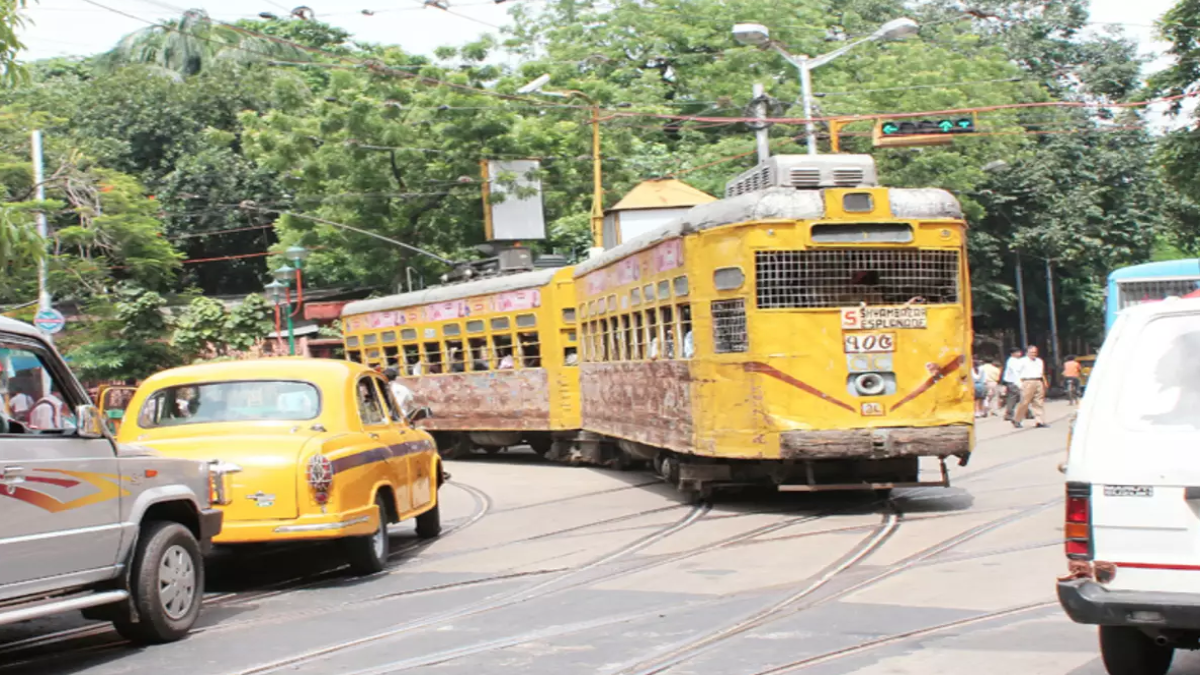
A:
(322, 372)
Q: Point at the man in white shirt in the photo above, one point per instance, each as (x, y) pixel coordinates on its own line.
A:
(47, 414)
(1012, 383)
(402, 394)
(20, 405)
(1033, 389)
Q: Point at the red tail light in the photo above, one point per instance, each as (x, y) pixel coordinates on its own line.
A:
(1077, 531)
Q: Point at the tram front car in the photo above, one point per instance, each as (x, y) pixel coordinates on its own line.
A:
(831, 345)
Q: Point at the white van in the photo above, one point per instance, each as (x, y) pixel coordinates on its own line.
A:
(1133, 491)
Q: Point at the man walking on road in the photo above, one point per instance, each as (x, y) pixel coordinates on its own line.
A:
(1033, 389)
(1012, 383)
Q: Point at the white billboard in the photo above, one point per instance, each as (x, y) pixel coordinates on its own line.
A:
(512, 200)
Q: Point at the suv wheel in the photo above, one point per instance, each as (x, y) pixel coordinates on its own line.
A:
(1129, 651)
(166, 583)
(368, 555)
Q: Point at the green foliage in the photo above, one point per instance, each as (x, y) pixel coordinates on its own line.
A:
(11, 71)
(20, 244)
(206, 329)
(128, 339)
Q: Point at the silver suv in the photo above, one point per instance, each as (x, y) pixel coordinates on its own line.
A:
(116, 532)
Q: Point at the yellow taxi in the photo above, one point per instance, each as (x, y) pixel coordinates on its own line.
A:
(320, 448)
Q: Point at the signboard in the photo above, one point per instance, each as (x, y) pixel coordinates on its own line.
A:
(875, 318)
(512, 200)
(50, 320)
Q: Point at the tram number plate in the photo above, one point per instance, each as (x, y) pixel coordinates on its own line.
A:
(870, 343)
(874, 318)
(872, 409)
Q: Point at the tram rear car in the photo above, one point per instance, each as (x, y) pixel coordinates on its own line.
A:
(816, 339)
(495, 359)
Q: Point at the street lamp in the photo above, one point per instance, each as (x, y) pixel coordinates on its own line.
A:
(536, 87)
(279, 291)
(757, 35)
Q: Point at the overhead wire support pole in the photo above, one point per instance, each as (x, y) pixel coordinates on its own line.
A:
(1054, 354)
(1021, 303)
(762, 132)
(42, 228)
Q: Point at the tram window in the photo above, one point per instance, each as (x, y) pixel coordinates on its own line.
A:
(433, 357)
(352, 341)
(526, 321)
(503, 346)
(451, 329)
(602, 306)
(630, 347)
(667, 318)
(373, 355)
(475, 326)
(500, 323)
(624, 301)
(651, 336)
(531, 351)
(603, 351)
(389, 337)
(479, 353)
(568, 315)
(611, 304)
(391, 355)
(454, 356)
(570, 357)
(408, 334)
(687, 345)
(591, 308)
(635, 297)
(681, 287)
(729, 327)
(639, 335)
(370, 339)
(648, 291)
(354, 355)
(412, 359)
(664, 290)
(571, 336)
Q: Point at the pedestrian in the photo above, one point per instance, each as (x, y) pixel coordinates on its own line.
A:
(1011, 379)
(49, 413)
(980, 388)
(1071, 372)
(20, 404)
(991, 380)
(1033, 389)
(402, 394)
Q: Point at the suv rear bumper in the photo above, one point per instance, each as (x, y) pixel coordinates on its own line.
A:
(1088, 602)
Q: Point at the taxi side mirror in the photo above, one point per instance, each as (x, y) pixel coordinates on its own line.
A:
(89, 422)
(419, 414)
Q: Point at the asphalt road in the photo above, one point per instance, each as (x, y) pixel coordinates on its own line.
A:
(556, 570)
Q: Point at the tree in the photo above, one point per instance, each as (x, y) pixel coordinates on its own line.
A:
(11, 21)
(20, 243)
(207, 329)
(193, 43)
(127, 340)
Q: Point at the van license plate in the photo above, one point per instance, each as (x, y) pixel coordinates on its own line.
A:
(1128, 491)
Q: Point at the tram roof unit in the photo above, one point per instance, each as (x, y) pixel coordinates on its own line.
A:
(777, 203)
(469, 289)
(1185, 268)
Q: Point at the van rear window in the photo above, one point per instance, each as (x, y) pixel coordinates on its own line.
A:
(1161, 387)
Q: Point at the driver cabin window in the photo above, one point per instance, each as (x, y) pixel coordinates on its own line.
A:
(32, 399)
(370, 407)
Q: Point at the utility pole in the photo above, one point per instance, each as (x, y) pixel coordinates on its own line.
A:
(1053, 317)
(43, 231)
(1021, 303)
(762, 130)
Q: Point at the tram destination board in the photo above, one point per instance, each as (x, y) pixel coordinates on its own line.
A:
(877, 318)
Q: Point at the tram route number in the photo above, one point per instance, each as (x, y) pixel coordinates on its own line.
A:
(872, 409)
(874, 318)
(869, 343)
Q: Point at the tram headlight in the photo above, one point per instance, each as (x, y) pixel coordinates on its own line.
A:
(870, 384)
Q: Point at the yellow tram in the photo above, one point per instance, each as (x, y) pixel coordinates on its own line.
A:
(495, 359)
(810, 330)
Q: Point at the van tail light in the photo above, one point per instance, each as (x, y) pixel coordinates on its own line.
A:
(1077, 531)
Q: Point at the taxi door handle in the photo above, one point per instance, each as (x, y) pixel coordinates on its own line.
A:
(11, 475)
(374, 436)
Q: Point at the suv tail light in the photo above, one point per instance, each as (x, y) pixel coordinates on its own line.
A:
(1077, 531)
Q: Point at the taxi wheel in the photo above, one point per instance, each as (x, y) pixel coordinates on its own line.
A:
(166, 583)
(429, 524)
(368, 555)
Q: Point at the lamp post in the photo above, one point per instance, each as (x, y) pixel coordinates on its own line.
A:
(759, 36)
(536, 87)
(279, 291)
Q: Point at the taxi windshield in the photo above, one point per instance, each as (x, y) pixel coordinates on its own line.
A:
(258, 400)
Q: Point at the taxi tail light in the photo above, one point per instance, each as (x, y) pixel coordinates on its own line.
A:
(319, 474)
(1077, 530)
(220, 492)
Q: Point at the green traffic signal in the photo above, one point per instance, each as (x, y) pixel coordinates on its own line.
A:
(946, 126)
(891, 128)
(927, 127)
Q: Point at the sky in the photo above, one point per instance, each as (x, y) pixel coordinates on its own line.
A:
(83, 27)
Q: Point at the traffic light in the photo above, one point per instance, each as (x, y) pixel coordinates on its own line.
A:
(906, 132)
